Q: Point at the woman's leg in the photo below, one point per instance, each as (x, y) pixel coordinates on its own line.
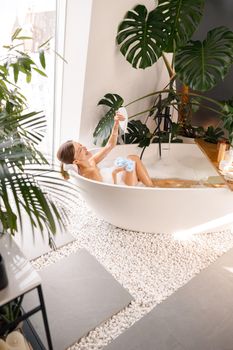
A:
(139, 174)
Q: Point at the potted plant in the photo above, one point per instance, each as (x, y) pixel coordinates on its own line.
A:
(8, 316)
(21, 163)
(143, 37)
(26, 177)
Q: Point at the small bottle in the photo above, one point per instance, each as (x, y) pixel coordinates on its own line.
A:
(229, 156)
(221, 150)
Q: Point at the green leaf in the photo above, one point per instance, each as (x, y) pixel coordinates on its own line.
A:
(24, 38)
(45, 43)
(180, 18)
(21, 191)
(16, 33)
(22, 69)
(104, 127)
(137, 132)
(141, 36)
(227, 118)
(213, 134)
(28, 77)
(42, 58)
(40, 72)
(13, 47)
(16, 72)
(4, 70)
(201, 65)
(192, 131)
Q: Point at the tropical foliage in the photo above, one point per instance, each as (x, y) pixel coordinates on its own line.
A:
(213, 135)
(21, 175)
(145, 36)
(201, 65)
(227, 118)
(9, 314)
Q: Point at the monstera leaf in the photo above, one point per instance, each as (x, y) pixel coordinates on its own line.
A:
(182, 17)
(104, 127)
(201, 65)
(137, 132)
(141, 36)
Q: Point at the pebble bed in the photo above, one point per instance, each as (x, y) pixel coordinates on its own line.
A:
(150, 266)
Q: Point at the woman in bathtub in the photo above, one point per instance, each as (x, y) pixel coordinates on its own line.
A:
(131, 168)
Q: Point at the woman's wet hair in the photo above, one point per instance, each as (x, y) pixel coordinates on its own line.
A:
(66, 154)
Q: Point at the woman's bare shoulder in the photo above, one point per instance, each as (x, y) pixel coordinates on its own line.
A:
(92, 173)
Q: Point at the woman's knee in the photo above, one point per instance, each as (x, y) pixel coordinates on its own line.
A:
(134, 157)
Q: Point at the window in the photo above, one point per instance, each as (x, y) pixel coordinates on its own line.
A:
(37, 20)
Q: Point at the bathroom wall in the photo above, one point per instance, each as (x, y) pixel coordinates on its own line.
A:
(95, 65)
(108, 71)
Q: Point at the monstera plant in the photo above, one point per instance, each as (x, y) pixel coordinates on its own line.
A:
(145, 36)
(24, 171)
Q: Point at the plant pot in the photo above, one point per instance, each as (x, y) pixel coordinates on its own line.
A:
(3, 274)
(9, 315)
(19, 327)
(16, 340)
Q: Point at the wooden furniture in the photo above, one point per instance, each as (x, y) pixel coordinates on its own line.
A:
(23, 279)
(211, 152)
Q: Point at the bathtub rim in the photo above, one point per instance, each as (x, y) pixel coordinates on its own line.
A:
(76, 175)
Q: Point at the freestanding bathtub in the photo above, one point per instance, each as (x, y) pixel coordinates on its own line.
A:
(162, 210)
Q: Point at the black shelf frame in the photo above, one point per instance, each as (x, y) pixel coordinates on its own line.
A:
(27, 314)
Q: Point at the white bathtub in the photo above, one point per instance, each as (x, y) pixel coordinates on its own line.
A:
(162, 210)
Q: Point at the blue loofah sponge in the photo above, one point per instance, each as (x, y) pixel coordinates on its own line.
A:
(127, 164)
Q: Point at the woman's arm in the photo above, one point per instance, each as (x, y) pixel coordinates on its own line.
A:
(112, 141)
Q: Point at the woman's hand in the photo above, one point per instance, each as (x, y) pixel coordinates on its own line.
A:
(112, 141)
(119, 117)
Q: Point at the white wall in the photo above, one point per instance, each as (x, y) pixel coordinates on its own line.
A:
(106, 68)
(108, 71)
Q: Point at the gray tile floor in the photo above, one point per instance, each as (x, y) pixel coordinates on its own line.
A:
(199, 316)
(79, 295)
(36, 245)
